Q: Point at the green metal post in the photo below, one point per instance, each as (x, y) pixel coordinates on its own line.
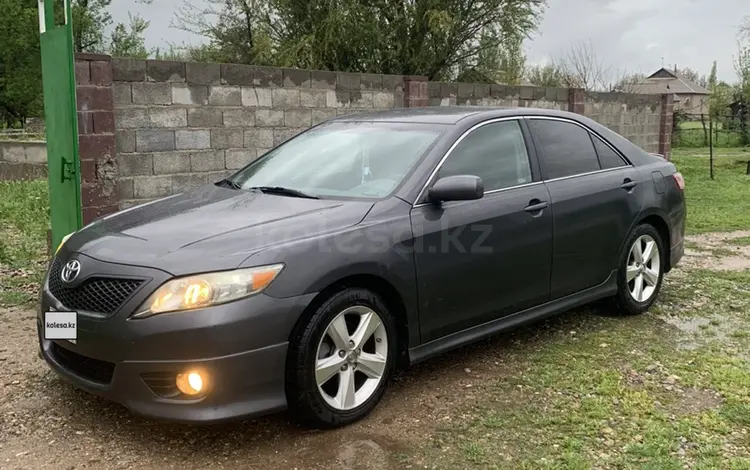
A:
(61, 120)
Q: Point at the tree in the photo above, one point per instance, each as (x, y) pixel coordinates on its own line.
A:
(437, 38)
(720, 95)
(90, 18)
(742, 94)
(128, 41)
(693, 76)
(20, 62)
(628, 82)
(499, 64)
(581, 68)
(548, 75)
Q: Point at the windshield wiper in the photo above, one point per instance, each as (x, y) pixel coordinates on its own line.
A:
(284, 191)
(229, 184)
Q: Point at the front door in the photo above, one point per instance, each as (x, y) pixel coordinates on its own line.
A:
(478, 260)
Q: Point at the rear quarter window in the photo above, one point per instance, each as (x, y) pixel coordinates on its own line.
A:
(608, 158)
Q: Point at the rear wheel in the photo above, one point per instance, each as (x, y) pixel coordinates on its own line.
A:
(641, 271)
(339, 364)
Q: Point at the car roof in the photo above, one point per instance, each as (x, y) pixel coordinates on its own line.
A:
(447, 114)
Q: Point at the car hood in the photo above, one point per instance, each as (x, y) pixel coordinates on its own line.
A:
(210, 228)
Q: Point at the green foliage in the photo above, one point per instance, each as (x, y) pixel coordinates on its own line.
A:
(693, 76)
(629, 83)
(90, 18)
(438, 38)
(128, 41)
(20, 62)
(545, 75)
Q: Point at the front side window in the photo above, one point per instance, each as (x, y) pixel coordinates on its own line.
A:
(494, 152)
(567, 148)
(346, 159)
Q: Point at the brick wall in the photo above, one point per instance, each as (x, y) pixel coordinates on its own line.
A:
(96, 136)
(177, 125)
(180, 125)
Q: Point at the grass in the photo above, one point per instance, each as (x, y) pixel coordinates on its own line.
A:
(622, 393)
(24, 209)
(721, 204)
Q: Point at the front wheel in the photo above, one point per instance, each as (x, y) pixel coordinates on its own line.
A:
(339, 364)
(641, 271)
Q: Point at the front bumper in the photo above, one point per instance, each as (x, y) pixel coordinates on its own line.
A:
(241, 345)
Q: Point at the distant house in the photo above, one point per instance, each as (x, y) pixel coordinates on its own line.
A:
(689, 97)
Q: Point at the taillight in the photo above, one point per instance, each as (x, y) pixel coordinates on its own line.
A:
(679, 180)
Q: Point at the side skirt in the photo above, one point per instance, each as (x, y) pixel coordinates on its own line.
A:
(433, 348)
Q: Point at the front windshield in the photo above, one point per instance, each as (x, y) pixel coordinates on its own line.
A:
(348, 159)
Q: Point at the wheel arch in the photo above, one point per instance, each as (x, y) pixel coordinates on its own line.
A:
(660, 224)
(393, 299)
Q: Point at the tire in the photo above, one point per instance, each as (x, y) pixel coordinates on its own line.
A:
(627, 301)
(328, 405)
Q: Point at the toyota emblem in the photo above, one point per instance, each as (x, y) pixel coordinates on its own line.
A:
(70, 271)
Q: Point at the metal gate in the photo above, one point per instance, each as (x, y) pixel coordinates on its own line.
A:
(61, 120)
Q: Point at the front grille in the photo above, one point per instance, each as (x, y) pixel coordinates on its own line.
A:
(96, 294)
(82, 366)
(162, 383)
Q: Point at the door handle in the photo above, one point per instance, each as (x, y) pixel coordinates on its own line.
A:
(535, 205)
(628, 184)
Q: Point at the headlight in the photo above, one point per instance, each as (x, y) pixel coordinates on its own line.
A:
(62, 242)
(205, 290)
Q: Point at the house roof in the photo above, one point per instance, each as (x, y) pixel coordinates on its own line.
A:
(664, 81)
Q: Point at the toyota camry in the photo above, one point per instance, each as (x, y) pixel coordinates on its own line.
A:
(365, 244)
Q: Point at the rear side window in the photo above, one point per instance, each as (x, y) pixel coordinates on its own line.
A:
(566, 147)
(494, 152)
(608, 158)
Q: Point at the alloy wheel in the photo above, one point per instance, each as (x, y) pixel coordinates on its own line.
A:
(644, 268)
(351, 358)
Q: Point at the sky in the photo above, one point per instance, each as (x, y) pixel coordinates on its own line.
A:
(627, 35)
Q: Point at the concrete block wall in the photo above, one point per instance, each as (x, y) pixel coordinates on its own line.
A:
(150, 128)
(181, 125)
(482, 94)
(20, 160)
(636, 117)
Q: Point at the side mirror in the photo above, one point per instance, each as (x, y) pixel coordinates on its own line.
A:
(456, 188)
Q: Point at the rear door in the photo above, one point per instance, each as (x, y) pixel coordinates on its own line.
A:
(595, 199)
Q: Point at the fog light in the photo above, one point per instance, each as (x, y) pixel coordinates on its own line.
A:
(191, 382)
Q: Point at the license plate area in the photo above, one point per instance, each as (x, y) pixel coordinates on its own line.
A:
(61, 326)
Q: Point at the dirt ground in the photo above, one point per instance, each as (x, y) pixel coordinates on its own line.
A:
(46, 423)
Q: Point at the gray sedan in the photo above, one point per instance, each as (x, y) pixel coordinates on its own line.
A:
(364, 244)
